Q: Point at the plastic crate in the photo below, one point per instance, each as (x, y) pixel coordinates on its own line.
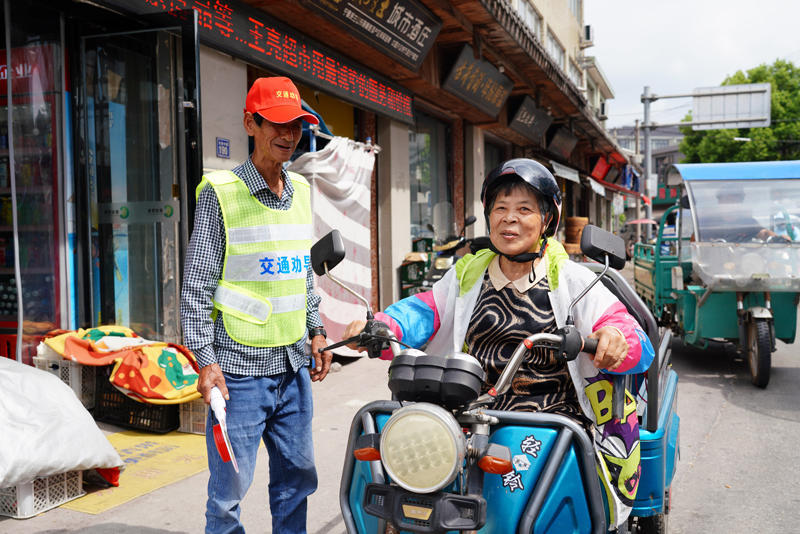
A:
(27, 500)
(113, 407)
(193, 417)
(81, 378)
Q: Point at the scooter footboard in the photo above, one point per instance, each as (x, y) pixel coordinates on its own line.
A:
(554, 487)
(660, 451)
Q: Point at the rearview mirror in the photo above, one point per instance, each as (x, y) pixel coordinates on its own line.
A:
(596, 243)
(685, 202)
(470, 220)
(328, 250)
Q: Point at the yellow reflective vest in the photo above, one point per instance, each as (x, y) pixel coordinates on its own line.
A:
(263, 287)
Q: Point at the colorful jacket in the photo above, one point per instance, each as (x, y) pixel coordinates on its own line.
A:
(440, 318)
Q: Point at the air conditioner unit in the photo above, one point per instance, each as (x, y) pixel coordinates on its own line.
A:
(602, 111)
(587, 37)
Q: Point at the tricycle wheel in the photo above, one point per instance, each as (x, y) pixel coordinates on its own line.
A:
(759, 353)
(655, 524)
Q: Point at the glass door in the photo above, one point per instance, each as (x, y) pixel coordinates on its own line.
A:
(134, 143)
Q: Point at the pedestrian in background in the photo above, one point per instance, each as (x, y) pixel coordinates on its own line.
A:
(247, 309)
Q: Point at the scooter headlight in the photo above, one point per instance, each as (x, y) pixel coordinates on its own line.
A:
(422, 447)
(443, 263)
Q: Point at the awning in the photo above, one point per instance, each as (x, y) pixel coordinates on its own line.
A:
(760, 170)
(597, 188)
(565, 172)
(620, 189)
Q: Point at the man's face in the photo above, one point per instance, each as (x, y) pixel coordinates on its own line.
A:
(275, 142)
(730, 198)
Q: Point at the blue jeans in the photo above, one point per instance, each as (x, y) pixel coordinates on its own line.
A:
(279, 410)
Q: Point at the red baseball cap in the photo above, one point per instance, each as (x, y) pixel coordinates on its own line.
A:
(277, 100)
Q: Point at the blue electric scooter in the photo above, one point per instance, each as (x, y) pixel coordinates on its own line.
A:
(438, 460)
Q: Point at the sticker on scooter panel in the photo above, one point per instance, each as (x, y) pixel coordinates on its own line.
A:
(531, 445)
(417, 512)
(521, 462)
(513, 481)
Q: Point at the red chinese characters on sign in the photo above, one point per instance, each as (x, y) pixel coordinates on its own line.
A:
(324, 69)
(32, 70)
(244, 31)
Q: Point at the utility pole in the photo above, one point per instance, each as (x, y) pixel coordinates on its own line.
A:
(638, 208)
(646, 99)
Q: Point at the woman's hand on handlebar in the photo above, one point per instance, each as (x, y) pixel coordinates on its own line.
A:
(352, 330)
(612, 348)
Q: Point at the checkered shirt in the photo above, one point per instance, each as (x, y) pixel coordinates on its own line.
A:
(208, 340)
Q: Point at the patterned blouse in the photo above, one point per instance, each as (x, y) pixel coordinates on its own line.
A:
(501, 320)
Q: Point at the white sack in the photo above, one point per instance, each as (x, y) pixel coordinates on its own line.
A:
(44, 427)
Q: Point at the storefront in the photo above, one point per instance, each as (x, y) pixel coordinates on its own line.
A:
(117, 107)
(97, 183)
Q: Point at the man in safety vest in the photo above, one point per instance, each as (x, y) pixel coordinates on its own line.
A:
(247, 309)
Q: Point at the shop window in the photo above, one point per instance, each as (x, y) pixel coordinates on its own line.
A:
(660, 143)
(575, 7)
(30, 128)
(575, 74)
(555, 49)
(430, 177)
(530, 17)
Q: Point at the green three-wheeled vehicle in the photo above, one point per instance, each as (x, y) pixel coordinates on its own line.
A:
(726, 261)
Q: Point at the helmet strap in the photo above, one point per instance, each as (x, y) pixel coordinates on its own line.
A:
(522, 258)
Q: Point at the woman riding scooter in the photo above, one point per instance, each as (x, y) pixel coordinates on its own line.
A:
(523, 285)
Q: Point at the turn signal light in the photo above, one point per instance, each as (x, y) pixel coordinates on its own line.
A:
(495, 466)
(369, 454)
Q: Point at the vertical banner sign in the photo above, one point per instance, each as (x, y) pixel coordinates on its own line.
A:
(340, 177)
(530, 121)
(478, 82)
(251, 35)
(402, 29)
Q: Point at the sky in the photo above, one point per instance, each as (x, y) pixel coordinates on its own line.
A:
(675, 46)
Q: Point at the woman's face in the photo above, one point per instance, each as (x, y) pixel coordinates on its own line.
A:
(515, 221)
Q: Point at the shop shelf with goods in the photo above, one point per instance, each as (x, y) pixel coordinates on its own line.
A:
(29, 156)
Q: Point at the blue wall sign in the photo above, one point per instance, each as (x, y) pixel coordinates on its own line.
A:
(223, 148)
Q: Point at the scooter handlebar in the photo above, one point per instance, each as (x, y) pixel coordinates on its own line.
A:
(589, 345)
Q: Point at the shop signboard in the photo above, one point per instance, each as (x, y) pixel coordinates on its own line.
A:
(32, 70)
(561, 142)
(404, 30)
(478, 82)
(600, 168)
(249, 34)
(530, 121)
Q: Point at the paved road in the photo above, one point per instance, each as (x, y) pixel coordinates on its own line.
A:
(740, 458)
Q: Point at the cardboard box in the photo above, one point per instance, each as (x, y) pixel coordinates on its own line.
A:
(412, 289)
(422, 244)
(412, 272)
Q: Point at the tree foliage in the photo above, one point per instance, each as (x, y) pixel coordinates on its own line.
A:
(781, 141)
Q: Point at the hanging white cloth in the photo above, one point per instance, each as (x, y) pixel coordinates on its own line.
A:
(340, 176)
